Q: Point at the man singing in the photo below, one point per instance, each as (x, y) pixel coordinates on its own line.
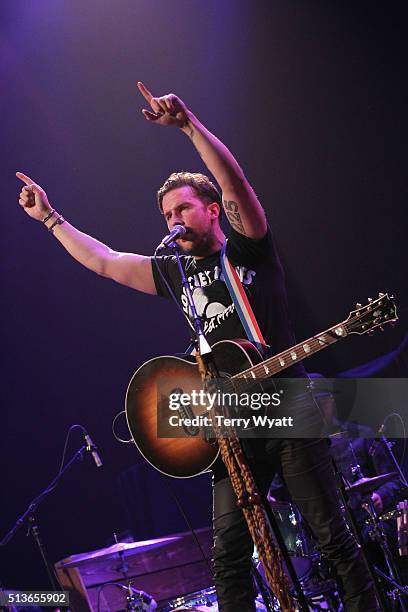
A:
(192, 200)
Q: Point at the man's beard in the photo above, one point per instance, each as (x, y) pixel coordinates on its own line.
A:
(201, 245)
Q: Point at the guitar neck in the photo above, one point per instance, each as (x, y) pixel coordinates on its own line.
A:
(296, 353)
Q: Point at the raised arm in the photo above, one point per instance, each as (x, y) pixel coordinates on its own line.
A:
(242, 207)
(129, 269)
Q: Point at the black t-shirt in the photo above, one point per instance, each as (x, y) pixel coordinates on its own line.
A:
(260, 272)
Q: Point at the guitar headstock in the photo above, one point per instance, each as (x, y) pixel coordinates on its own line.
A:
(376, 313)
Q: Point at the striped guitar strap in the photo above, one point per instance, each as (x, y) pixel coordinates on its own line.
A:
(242, 305)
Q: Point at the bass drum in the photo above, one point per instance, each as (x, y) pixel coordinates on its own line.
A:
(298, 541)
(204, 601)
(319, 591)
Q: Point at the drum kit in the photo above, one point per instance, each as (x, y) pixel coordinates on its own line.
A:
(319, 588)
(201, 601)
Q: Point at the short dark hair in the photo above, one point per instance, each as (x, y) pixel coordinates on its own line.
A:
(199, 182)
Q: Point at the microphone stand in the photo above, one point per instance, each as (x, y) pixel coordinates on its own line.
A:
(201, 343)
(29, 516)
(388, 445)
(341, 487)
(208, 369)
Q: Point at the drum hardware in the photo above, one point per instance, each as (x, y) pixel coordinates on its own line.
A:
(391, 514)
(320, 593)
(135, 599)
(319, 590)
(290, 569)
(388, 444)
(299, 545)
(366, 485)
(344, 487)
(399, 592)
(269, 601)
(205, 597)
(397, 587)
(386, 516)
(379, 536)
(402, 527)
(200, 601)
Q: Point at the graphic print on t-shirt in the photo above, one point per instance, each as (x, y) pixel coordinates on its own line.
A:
(211, 296)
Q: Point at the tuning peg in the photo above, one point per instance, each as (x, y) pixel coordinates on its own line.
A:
(370, 300)
(358, 305)
(370, 332)
(380, 295)
(381, 328)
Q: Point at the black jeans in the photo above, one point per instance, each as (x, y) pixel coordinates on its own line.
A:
(306, 467)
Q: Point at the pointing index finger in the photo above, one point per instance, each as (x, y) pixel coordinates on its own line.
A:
(23, 177)
(144, 91)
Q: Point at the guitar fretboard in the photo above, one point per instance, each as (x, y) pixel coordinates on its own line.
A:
(293, 355)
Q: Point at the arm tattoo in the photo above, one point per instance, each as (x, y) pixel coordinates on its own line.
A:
(231, 210)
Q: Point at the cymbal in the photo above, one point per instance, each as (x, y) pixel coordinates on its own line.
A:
(126, 548)
(365, 485)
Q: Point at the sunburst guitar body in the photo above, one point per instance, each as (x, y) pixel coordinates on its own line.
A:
(147, 397)
(185, 456)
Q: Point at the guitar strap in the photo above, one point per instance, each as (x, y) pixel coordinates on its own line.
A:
(243, 483)
(242, 305)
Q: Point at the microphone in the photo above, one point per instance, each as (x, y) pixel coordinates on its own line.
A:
(373, 447)
(90, 447)
(178, 231)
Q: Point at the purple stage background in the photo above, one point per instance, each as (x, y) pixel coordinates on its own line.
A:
(312, 99)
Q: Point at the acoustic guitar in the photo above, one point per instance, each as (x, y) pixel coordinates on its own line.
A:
(148, 405)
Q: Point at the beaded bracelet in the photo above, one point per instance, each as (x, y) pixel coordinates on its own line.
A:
(57, 221)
